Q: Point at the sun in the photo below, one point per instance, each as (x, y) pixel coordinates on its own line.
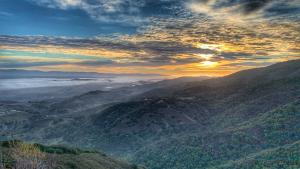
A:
(206, 56)
(209, 64)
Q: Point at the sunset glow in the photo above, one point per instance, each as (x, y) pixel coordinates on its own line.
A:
(204, 35)
(209, 64)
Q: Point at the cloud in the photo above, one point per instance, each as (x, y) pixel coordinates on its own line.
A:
(5, 14)
(62, 4)
(250, 64)
(28, 62)
(102, 10)
(129, 11)
(169, 42)
(252, 6)
(140, 12)
(235, 55)
(13, 63)
(158, 52)
(243, 10)
(94, 63)
(174, 38)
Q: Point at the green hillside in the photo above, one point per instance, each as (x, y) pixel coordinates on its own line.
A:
(274, 135)
(287, 156)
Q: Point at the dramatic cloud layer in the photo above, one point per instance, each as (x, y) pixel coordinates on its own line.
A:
(176, 38)
(129, 11)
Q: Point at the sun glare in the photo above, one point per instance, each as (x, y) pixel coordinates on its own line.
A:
(209, 64)
(206, 56)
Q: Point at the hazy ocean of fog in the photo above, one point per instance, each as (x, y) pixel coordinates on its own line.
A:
(21, 83)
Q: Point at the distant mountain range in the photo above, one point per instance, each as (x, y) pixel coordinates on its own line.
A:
(250, 119)
(19, 73)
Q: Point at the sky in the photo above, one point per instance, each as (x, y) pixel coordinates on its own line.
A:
(167, 37)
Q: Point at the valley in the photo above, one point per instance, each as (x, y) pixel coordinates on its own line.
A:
(249, 119)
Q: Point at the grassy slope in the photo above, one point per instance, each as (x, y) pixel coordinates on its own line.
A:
(71, 158)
